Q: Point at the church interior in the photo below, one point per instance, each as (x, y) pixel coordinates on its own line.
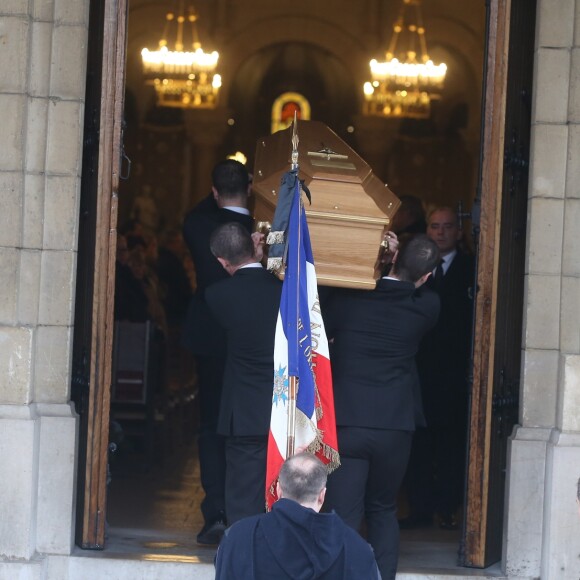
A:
(321, 53)
(275, 60)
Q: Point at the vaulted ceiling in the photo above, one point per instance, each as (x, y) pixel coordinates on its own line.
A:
(322, 50)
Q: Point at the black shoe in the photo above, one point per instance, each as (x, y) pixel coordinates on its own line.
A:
(448, 522)
(416, 521)
(211, 534)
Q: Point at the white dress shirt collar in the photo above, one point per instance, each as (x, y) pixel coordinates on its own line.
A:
(242, 210)
(447, 260)
(251, 265)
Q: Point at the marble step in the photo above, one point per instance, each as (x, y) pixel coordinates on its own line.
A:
(98, 566)
(159, 567)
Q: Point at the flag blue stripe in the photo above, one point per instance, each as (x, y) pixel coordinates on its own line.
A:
(294, 308)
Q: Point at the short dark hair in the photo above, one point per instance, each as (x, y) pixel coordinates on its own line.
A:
(417, 256)
(230, 178)
(302, 477)
(232, 242)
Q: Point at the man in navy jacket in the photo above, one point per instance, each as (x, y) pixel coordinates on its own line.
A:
(294, 541)
(376, 336)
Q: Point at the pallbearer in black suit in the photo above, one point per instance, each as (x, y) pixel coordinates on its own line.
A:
(437, 467)
(376, 392)
(246, 306)
(227, 203)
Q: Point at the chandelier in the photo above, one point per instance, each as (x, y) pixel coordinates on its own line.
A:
(181, 78)
(407, 81)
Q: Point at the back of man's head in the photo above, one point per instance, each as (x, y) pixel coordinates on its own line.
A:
(230, 178)
(418, 256)
(233, 243)
(302, 478)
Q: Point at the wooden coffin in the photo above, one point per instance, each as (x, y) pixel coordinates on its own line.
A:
(351, 208)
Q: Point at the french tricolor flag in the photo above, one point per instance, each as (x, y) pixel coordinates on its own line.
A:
(301, 350)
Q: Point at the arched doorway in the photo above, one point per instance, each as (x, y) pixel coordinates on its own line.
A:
(259, 76)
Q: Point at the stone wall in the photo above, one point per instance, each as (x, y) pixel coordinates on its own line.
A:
(544, 465)
(42, 79)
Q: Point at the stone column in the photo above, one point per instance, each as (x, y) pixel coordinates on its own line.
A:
(42, 114)
(206, 130)
(560, 87)
(544, 461)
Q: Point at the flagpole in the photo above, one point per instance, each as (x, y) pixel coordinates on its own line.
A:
(292, 379)
(292, 392)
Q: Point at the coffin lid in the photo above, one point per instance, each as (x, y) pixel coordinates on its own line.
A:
(338, 178)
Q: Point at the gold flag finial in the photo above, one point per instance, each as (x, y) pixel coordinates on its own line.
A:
(295, 143)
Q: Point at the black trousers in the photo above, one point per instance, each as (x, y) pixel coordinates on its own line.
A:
(245, 476)
(212, 462)
(365, 486)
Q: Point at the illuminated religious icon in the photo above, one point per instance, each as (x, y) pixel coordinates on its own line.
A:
(284, 108)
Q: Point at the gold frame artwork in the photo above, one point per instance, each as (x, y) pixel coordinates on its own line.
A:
(282, 119)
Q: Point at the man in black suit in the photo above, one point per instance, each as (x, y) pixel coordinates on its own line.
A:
(246, 306)
(376, 392)
(204, 338)
(436, 469)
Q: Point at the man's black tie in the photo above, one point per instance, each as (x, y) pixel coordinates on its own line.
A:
(438, 278)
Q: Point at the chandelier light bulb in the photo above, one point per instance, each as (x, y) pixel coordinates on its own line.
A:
(368, 89)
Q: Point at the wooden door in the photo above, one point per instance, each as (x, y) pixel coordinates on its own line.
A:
(501, 257)
(93, 324)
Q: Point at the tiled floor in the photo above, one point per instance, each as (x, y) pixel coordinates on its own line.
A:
(155, 514)
(164, 497)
